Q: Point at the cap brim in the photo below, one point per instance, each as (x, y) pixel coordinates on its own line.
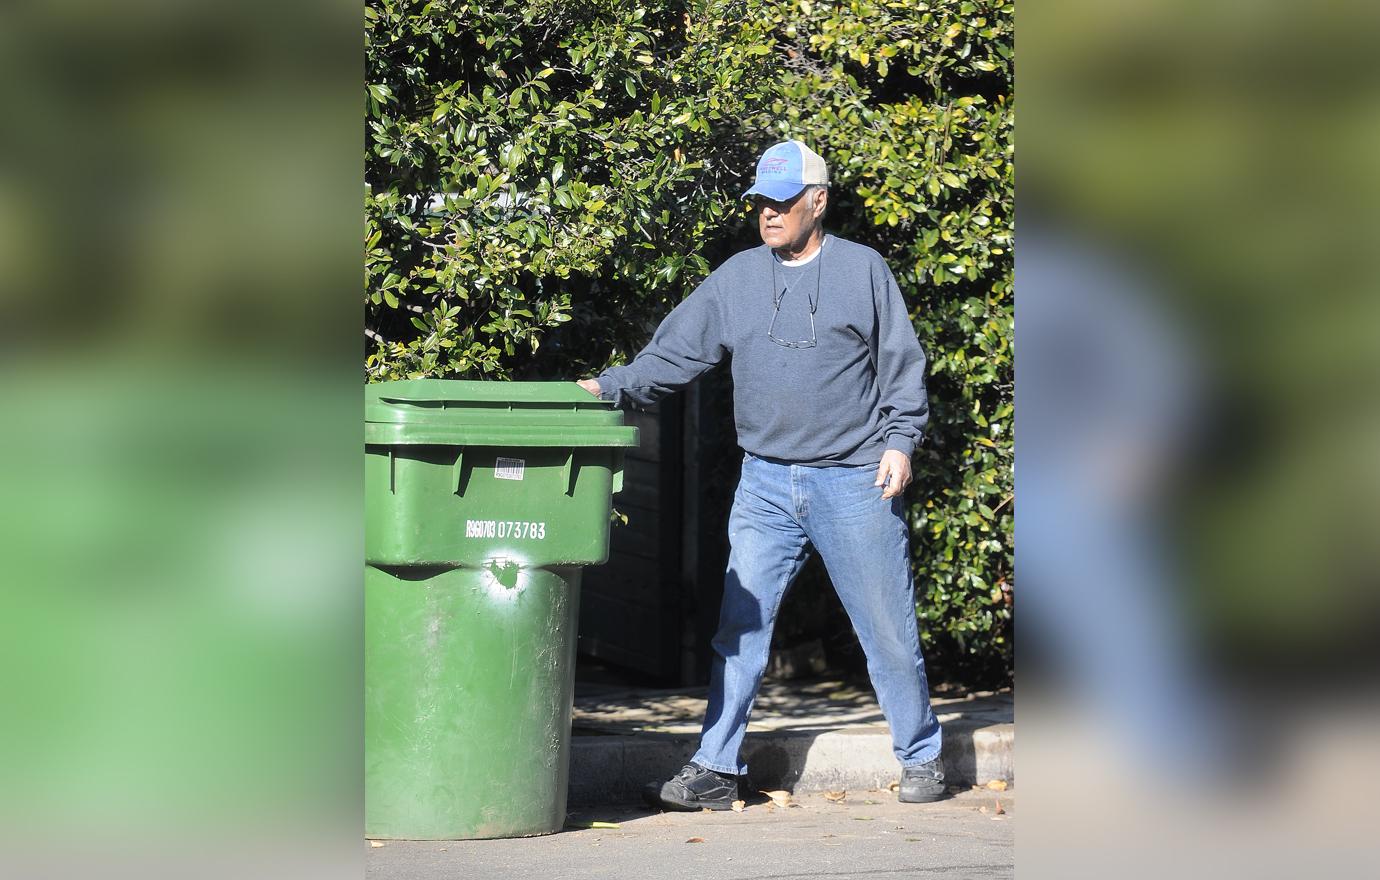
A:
(776, 190)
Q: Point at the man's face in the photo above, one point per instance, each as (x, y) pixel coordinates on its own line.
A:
(785, 224)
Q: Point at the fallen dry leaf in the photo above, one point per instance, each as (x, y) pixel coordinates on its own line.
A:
(835, 796)
(376, 843)
(695, 840)
(592, 825)
(738, 806)
(779, 797)
(997, 785)
(893, 786)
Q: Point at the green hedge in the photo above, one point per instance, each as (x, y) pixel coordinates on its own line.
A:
(544, 181)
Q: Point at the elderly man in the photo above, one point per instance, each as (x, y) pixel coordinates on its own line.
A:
(829, 401)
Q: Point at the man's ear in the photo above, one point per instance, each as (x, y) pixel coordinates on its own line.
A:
(821, 202)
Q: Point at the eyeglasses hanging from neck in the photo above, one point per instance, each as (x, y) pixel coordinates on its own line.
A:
(778, 293)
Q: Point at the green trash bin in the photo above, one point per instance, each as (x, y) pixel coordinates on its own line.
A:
(483, 501)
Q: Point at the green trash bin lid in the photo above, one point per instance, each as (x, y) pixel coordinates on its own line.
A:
(456, 412)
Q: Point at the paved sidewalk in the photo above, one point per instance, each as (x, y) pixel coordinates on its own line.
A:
(804, 736)
(866, 835)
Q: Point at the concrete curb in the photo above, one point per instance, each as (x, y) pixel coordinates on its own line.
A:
(613, 769)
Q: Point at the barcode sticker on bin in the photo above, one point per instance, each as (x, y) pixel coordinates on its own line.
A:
(509, 468)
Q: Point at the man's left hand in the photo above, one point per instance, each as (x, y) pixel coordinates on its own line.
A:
(894, 473)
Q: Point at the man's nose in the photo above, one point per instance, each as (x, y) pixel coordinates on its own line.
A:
(769, 212)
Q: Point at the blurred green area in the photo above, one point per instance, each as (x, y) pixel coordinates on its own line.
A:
(1220, 158)
(1227, 152)
(181, 513)
(179, 587)
(544, 182)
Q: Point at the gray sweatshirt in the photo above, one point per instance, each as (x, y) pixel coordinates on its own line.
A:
(857, 391)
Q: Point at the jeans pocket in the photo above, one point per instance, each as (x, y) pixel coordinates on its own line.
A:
(855, 490)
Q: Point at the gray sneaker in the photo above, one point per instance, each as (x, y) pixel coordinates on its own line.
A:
(693, 788)
(923, 783)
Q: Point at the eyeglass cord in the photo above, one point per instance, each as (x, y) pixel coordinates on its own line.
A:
(777, 296)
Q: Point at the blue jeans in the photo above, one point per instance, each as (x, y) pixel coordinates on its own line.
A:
(778, 510)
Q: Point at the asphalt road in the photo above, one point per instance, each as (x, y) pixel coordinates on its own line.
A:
(866, 835)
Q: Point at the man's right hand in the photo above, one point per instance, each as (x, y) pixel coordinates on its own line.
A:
(590, 385)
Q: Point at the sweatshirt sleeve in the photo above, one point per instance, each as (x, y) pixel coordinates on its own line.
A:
(689, 341)
(900, 363)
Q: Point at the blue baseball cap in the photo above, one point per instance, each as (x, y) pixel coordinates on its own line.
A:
(787, 168)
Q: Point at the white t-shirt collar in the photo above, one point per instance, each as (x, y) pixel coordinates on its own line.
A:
(804, 260)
